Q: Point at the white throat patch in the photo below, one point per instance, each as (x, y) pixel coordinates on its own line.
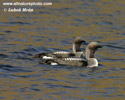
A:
(92, 62)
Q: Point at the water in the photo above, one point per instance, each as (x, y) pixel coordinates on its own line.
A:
(52, 28)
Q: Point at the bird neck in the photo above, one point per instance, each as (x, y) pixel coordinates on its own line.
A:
(92, 61)
(76, 47)
(89, 53)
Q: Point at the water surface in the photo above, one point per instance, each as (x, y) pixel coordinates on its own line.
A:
(53, 28)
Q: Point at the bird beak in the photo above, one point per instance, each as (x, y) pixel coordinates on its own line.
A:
(99, 46)
(84, 41)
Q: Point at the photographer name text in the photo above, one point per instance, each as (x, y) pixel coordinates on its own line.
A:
(26, 6)
(18, 10)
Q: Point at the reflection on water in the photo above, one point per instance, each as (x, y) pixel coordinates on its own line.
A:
(51, 28)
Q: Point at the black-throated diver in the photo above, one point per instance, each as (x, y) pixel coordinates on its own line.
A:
(76, 51)
(90, 60)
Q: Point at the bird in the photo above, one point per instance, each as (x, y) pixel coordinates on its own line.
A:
(76, 51)
(89, 61)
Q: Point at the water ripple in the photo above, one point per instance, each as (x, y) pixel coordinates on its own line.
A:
(17, 23)
(10, 68)
(3, 56)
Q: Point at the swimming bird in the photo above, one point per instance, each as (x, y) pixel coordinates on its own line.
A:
(90, 60)
(76, 51)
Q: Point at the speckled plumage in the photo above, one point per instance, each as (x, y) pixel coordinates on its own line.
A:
(90, 61)
(63, 54)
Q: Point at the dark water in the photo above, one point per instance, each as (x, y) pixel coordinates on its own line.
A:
(50, 28)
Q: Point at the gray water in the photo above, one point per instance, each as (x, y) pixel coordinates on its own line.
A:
(53, 28)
